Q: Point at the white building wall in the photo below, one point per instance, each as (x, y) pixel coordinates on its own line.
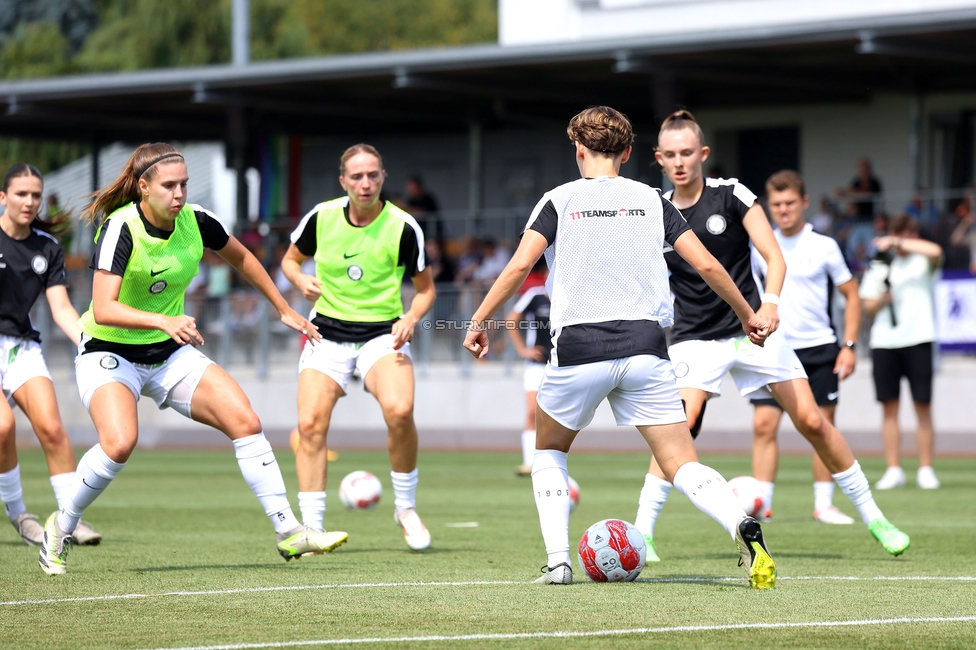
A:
(526, 22)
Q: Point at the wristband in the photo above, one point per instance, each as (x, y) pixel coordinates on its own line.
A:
(771, 298)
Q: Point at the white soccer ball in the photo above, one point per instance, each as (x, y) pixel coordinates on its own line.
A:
(360, 490)
(612, 550)
(748, 494)
(573, 494)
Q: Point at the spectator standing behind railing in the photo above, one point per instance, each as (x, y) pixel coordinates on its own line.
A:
(898, 291)
(422, 205)
(964, 234)
(864, 191)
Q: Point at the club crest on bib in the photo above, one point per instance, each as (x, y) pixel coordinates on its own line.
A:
(39, 264)
(715, 224)
(355, 273)
(158, 287)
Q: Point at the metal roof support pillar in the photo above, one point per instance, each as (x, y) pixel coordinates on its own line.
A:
(241, 32)
(474, 175)
(236, 146)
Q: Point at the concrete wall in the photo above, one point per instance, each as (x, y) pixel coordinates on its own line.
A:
(486, 411)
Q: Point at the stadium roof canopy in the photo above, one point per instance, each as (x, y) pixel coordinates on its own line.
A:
(448, 89)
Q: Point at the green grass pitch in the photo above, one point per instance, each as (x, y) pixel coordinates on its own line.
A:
(187, 543)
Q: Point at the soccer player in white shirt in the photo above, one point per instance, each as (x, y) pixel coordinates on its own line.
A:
(604, 239)
(704, 345)
(814, 266)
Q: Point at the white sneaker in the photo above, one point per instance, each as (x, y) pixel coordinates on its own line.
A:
(926, 478)
(894, 477)
(414, 530)
(831, 515)
(561, 574)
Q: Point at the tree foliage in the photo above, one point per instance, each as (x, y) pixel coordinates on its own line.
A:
(40, 38)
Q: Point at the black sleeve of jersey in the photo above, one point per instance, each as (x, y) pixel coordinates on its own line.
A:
(545, 224)
(212, 232)
(734, 206)
(55, 267)
(409, 250)
(306, 243)
(674, 223)
(123, 250)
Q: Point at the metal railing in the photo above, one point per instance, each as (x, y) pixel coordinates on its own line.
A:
(242, 330)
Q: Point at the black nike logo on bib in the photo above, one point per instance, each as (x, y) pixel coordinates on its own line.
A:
(153, 274)
(345, 256)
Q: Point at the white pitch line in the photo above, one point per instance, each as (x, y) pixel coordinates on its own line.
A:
(471, 583)
(587, 633)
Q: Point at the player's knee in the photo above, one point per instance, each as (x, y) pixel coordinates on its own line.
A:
(312, 429)
(765, 430)
(398, 414)
(247, 423)
(119, 449)
(810, 422)
(50, 433)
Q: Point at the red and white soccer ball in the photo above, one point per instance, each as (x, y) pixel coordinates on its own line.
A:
(612, 550)
(360, 490)
(573, 494)
(748, 494)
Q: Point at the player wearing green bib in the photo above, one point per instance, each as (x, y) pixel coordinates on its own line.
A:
(363, 248)
(137, 341)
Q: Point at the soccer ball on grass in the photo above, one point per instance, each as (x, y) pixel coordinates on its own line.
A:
(360, 490)
(748, 494)
(612, 550)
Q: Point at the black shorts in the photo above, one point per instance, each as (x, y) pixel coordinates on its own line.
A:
(818, 362)
(913, 362)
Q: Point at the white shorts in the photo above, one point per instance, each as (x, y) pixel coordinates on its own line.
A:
(20, 361)
(338, 360)
(640, 389)
(702, 364)
(532, 377)
(187, 365)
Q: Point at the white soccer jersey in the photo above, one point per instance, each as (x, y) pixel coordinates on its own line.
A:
(814, 266)
(608, 281)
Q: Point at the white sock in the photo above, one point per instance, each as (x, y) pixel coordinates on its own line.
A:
(11, 492)
(95, 471)
(63, 485)
(823, 495)
(312, 507)
(652, 497)
(766, 487)
(262, 474)
(528, 446)
(404, 489)
(550, 484)
(854, 484)
(710, 493)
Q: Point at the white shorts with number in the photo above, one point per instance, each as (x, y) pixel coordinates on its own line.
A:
(20, 361)
(338, 360)
(640, 389)
(156, 381)
(702, 364)
(532, 377)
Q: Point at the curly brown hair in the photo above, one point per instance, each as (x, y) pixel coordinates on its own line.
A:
(601, 129)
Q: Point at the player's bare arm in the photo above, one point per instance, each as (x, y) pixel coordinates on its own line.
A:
(63, 312)
(291, 266)
(402, 331)
(690, 248)
(762, 237)
(244, 262)
(847, 358)
(530, 249)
